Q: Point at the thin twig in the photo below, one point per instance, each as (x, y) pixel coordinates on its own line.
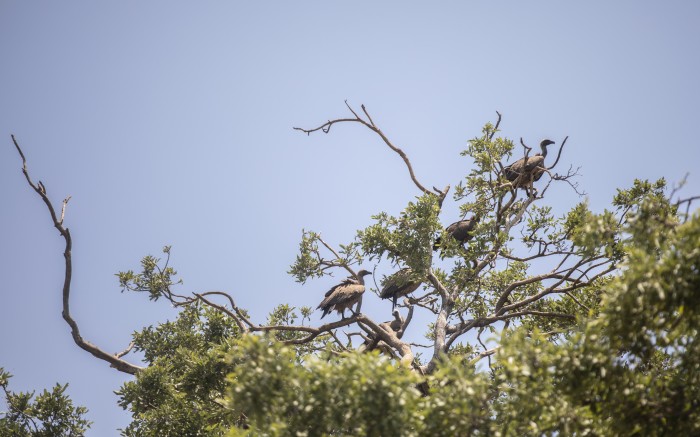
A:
(337, 256)
(559, 154)
(577, 301)
(125, 351)
(63, 208)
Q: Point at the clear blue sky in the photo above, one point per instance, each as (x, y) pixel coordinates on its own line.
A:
(171, 123)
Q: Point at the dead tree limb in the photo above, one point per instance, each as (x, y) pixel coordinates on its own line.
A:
(369, 123)
(113, 359)
(561, 147)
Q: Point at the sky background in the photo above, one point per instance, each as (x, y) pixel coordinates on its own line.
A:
(171, 123)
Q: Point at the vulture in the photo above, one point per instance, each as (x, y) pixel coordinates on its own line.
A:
(460, 231)
(397, 285)
(521, 172)
(344, 295)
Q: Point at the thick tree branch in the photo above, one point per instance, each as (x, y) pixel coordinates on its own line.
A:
(388, 337)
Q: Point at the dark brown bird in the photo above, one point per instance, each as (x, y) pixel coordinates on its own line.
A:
(344, 295)
(460, 231)
(523, 172)
(399, 284)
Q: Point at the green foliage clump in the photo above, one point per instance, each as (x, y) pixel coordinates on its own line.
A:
(360, 394)
(408, 238)
(352, 394)
(310, 263)
(49, 414)
(181, 391)
(154, 279)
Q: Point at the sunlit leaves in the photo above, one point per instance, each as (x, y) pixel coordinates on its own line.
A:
(154, 279)
(308, 261)
(407, 238)
(178, 393)
(361, 394)
(312, 263)
(48, 414)
(658, 304)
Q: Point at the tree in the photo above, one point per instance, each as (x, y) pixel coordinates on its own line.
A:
(592, 319)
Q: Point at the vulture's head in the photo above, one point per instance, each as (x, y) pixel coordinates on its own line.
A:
(544, 145)
(363, 273)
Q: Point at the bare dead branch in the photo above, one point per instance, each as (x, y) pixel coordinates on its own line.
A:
(567, 178)
(325, 128)
(406, 322)
(687, 202)
(352, 110)
(368, 116)
(125, 351)
(114, 360)
(526, 149)
(495, 128)
(561, 147)
(63, 208)
(389, 337)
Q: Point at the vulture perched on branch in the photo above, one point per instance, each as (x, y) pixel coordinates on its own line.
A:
(344, 295)
(460, 231)
(399, 284)
(525, 170)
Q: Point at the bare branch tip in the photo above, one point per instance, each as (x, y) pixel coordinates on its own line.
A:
(19, 149)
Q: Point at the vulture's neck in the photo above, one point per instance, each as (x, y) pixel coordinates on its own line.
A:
(544, 151)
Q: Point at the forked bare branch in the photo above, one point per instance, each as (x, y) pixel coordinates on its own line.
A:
(369, 123)
(113, 359)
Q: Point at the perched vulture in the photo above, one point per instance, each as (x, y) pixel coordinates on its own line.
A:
(522, 173)
(344, 295)
(397, 285)
(460, 231)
